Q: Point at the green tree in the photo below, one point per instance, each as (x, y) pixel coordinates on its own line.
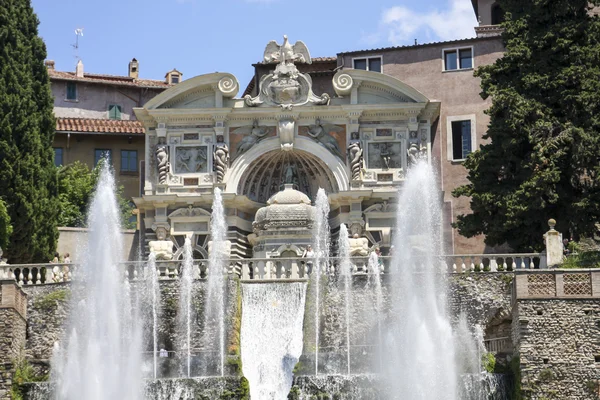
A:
(76, 187)
(543, 158)
(27, 174)
(5, 226)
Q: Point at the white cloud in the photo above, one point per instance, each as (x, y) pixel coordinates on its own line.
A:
(401, 25)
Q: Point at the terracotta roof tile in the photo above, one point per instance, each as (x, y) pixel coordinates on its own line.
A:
(99, 126)
(408, 46)
(108, 79)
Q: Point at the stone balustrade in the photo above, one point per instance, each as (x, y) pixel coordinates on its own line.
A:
(272, 268)
(495, 262)
(557, 283)
(498, 345)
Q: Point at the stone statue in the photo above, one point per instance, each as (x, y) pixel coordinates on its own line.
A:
(359, 246)
(220, 158)
(162, 161)
(355, 156)
(286, 53)
(413, 154)
(254, 134)
(385, 156)
(290, 171)
(286, 86)
(320, 132)
(162, 249)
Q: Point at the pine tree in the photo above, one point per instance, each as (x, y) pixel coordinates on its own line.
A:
(543, 158)
(28, 182)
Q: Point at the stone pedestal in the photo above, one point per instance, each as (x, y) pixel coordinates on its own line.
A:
(554, 245)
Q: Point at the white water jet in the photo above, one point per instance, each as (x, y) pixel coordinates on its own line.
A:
(271, 336)
(153, 291)
(374, 268)
(215, 304)
(103, 351)
(419, 356)
(185, 314)
(321, 243)
(345, 271)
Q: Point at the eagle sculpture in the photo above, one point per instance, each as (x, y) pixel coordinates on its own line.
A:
(287, 53)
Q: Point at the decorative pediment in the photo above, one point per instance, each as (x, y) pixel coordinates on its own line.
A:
(383, 207)
(204, 91)
(189, 212)
(366, 87)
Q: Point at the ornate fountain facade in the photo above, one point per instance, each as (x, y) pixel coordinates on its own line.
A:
(356, 143)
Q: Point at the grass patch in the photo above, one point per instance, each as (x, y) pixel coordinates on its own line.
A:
(52, 299)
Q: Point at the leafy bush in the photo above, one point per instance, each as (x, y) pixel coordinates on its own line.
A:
(588, 259)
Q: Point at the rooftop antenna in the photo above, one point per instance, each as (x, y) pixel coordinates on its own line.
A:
(78, 32)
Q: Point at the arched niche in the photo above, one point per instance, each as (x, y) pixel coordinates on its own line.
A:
(261, 161)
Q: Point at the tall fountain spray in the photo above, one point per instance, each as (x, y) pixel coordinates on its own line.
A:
(419, 354)
(153, 300)
(102, 357)
(215, 304)
(271, 336)
(345, 271)
(321, 262)
(186, 311)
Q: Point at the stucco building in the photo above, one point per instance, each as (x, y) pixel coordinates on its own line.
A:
(407, 101)
(94, 117)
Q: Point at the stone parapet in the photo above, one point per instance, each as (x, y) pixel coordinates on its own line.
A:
(557, 284)
(13, 297)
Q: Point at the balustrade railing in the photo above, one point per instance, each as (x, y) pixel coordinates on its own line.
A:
(273, 268)
(498, 345)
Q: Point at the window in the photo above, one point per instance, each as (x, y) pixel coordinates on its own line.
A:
(368, 64)
(58, 156)
(458, 59)
(71, 91)
(174, 78)
(114, 111)
(102, 153)
(461, 139)
(128, 160)
(497, 14)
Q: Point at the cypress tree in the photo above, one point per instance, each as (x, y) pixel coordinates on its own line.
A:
(543, 159)
(28, 182)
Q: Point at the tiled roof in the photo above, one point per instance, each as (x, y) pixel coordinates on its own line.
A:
(412, 45)
(313, 59)
(108, 79)
(91, 125)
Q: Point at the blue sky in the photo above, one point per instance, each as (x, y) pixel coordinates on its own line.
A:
(199, 36)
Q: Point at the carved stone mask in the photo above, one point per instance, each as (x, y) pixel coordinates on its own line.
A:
(161, 233)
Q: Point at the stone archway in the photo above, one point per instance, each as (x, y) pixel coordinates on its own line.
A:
(267, 161)
(267, 174)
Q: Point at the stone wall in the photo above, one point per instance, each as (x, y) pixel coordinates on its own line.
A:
(558, 344)
(485, 299)
(49, 309)
(73, 240)
(13, 313)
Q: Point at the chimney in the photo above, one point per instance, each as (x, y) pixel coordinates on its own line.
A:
(49, 64)
(79, 69)
(134, 68)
